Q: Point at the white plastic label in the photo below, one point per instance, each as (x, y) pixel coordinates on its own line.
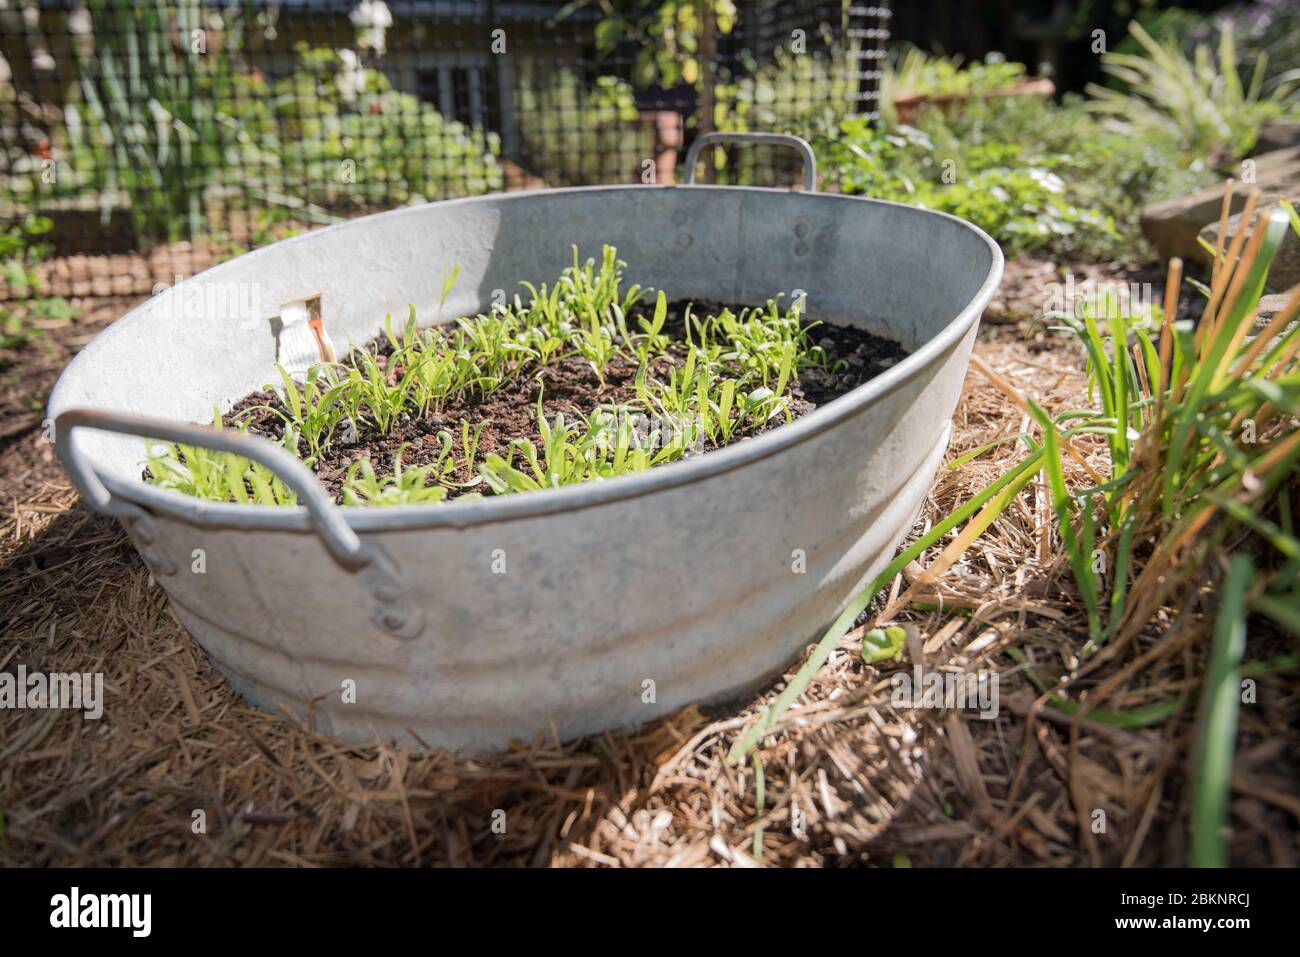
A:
(303, 340)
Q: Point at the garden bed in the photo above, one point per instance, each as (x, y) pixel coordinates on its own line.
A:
(587, 379)
(570, 387)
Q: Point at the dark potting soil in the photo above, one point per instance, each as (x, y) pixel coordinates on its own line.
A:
(570, 386)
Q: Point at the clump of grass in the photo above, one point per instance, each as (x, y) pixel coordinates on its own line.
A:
(1202, 464)
(1201, 100)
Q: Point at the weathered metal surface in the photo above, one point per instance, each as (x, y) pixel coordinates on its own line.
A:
(530, 615)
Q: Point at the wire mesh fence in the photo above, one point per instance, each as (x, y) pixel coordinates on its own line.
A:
(141, 139)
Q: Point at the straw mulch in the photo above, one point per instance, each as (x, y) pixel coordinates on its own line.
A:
(849, 779)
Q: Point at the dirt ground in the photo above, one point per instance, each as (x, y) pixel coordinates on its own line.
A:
(849, 778)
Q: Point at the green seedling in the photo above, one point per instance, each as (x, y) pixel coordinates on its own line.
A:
(544, 311)
(447, 285)
(675, 399)
(652, 342)
(557, 465)
(469, 439)
(215, 476)
(410, 332)
(370, 392)
(612, 445)
(445, 466)
(445, 370)
(602, 445)
(404, 487)
(716, 417)
(314, 410)
(544, 345)
(594, 341)
(762, 405)
(883, 644)
(584, 284)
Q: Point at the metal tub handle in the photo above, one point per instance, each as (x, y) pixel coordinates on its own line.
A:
(773, 139)
(370, 562)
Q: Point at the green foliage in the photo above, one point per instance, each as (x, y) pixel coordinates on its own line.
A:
(337, 135)
(735, 378)
(151, 121)
(315, 408)
(445, 365)
(1182, 445)
(1061, 177)
(652, 342)
(21, 249)
(1202, 100)
(215, 476)
(1102, 167)
(410, 486)
(368, 390)
(602, 445)
(575, 134)
(164, 125)
(1013, 192)
(1267, 30)
(1067, 178)
(666, 35)
(916, 72)
(1216, 742)
(919, 72)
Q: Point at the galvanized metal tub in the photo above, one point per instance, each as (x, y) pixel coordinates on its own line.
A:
(565, 612)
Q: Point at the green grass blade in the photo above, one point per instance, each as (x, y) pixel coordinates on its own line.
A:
(1217, 731)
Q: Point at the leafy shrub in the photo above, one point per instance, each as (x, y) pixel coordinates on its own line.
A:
(665, 36)
(1062, 177)
(1269, 30)
(149, 122)
(338, 135)
(1101, 166)
(167, 127)
(1018, 197)
(20, 250)
(1201, 100)
(1263, 29)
